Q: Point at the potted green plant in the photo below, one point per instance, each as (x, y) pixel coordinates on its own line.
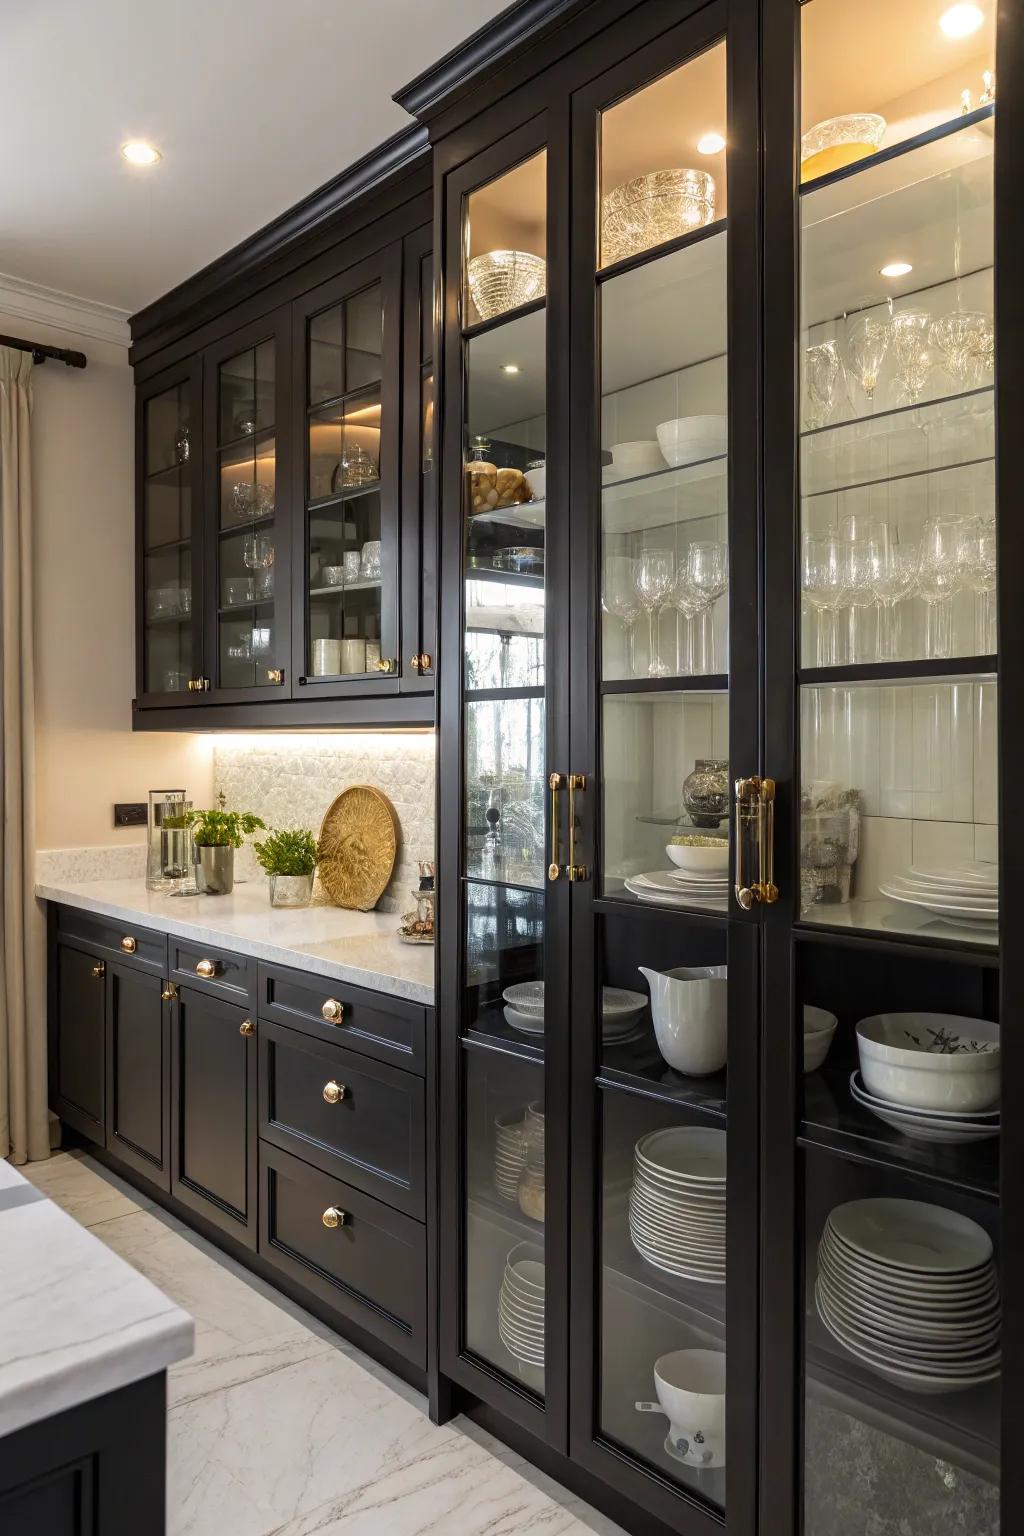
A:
(289, 857)
(216, 835)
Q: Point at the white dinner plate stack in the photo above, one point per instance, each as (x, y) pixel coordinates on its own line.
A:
(521, 1305)
(681, 888)
(509, 1153)
(966, 895)
(621, 1010)
(910, 1290)
(940, 1125)
(677, 1202)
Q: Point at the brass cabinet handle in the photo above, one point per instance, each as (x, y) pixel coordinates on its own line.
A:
(334, 1092)
(206, 969)
(387, 664)
(99, 969)
(332, 1217)
(169, 993)
(755, 814)
(199, 685)
(575, 871)
(275, 674)
(556, 781)
(422, 662)
(247, 1027)
(332, 1011)
(128, 944)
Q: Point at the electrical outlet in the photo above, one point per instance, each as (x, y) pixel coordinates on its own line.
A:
(132, 814)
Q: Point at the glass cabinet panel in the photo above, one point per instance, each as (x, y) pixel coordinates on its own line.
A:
(343, 486)
(247, 638)
(167, 535)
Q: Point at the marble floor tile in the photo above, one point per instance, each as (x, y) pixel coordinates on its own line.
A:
(85, 1189)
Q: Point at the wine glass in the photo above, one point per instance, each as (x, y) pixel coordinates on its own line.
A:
(689, 603)
(653, 578)
(825, 576)
(967, 342)
(867, 341)
(979, 556)
(940, 573)
(861, 534)
(619, 598)
(823, 368)
(707, 570)
(908, 338)
(893, 579)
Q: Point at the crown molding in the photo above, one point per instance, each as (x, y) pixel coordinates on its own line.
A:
(63, 311)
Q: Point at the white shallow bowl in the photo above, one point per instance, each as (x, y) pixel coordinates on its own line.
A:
(922, 1125)
(689, 439)
(700, 860)
(896, 1065)
(642, 457)
(526, 1023)
(819, 1029)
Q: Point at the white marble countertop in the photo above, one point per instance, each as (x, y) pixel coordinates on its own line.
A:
(76, 1321)
(357, 947)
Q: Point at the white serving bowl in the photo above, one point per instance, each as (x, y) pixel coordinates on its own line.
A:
(699, 859)
(690, 1384)
(819, 1028)
(690, 1015)
(641, 457)
(895, 1064)
(536, 482)
(691, 438)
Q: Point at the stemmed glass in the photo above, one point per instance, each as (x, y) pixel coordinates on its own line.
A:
(619, 598)
(893, 579)
(653, 578)
(707, 570)
(825, 579)
(967, 343)
(908, 338)
(861, 534)
(979, 554)
(867, 341)
(940, 575)
(689, 603)
(823, 368)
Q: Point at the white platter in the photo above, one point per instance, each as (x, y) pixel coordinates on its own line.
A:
(911, 1235)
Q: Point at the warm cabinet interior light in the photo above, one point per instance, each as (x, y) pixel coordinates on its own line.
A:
(961, 20)
(138, 152)
(510, 367)
(710, 143)
(896, 268)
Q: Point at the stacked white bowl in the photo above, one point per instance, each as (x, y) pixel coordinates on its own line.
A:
(621, 1010)
(819, 1028)
(932, 1076)
(521, 1305)
(966, 895)
(910, 1290)
(509, 1153)
(689, 439)
(677, 1202)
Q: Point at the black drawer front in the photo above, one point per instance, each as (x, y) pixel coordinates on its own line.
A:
(387, 1028)
(110, 938)
(353, 1117)
(370, 1267)
(216, 971)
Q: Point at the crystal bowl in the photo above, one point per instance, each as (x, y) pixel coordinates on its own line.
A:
(839, 141)
(503, 280)
(654, 208)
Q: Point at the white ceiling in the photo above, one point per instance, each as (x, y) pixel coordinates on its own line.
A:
(252, 104)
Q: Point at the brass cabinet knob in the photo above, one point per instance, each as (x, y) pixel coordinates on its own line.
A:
(128, 944)
(387, 664)
(247, 1027)
(206, 969)
(99, 969)
(332, 1217)
(334, 1092)
(421, 663)
(169, 992)
(275, 674)
(332, 1011)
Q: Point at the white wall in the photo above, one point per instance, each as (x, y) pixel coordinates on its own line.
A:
(82, 461)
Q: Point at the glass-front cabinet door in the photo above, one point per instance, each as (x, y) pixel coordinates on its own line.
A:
(247, 534)
(346, 579)
(168, 550)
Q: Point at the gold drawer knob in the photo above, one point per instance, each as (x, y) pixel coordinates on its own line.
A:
(128, 944)
(247, 1027)
(99, 969)
(334, 1092)
(332, 1011)
(206, 968)
(169, 992)
(332, 1217)
(422, 662)
(387, 664)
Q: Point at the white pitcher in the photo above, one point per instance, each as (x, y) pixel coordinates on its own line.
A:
(688, 1006)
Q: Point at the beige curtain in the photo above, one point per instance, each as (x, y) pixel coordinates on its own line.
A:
(23, 1121)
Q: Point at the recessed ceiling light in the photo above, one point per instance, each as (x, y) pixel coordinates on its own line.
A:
(710, 144)
(896, 268)
(510, 367)
(138, 152)
(961, 20)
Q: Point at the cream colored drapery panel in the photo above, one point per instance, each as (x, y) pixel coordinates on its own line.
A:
(23, 1120)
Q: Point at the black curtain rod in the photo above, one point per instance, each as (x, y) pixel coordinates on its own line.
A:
(40, 352)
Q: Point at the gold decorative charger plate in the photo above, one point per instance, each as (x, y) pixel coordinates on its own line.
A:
(358, 845)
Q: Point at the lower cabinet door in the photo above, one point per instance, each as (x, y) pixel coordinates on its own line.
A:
(213, 1112)
(137, 1045)
(76, 1077)
(367, 1261)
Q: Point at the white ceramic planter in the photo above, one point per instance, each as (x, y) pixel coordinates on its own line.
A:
(688, 1006)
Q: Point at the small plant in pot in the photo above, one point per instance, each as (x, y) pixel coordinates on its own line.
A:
(289, 857)
(216, 835)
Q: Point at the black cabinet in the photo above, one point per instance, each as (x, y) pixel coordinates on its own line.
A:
(213, 1128)
(137, 1059)
(77, 1052)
